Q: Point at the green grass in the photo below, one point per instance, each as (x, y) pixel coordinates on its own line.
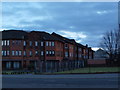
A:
(92, 70)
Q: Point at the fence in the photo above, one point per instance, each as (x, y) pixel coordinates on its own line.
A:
(57, 66)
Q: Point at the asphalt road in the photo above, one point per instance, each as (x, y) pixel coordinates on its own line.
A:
(61, 81)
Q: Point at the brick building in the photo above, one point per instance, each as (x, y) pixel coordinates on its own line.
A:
(44, 51)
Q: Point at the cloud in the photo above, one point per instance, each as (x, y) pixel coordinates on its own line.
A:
(78, 36)
(83, 21)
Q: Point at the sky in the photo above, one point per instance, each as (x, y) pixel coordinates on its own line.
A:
(86, 22)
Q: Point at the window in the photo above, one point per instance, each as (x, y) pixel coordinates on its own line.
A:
(30, 43)
(36, 52)
(80, 49)
(46, 43)
(13, 53)
(66, 54)
(8, 42)
(8, 64)
(47, 53)
(24, 43)
(70, 54)
(13, 42)
(66, 46)
(16, 65)
(5, 42)
(50, 52)
(30, 53)
(42, 53)
(16, 53)
(2, 43)
(53, 52)
(20, 53)
(36, 43)
(24, 53)
(49, 43)
(8, 52)
(53, 44)
(5, 53)
(41, 43)
(80, 55)
(2, 53)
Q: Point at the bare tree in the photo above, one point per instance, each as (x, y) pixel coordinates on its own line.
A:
(111, 44)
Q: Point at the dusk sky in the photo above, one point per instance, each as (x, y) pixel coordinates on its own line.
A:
(84, 22)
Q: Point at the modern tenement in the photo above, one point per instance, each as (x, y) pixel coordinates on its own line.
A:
(20, 49)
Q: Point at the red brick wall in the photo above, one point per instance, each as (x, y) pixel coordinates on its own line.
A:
(98, 61)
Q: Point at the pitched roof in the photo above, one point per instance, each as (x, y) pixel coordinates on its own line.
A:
(13, 34)
(64, 39)
(45, 35)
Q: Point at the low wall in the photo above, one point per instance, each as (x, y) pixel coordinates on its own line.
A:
(96, 62)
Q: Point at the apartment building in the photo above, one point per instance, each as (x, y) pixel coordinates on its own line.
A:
(21, 49)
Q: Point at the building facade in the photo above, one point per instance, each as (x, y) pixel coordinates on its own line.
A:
(41, 50)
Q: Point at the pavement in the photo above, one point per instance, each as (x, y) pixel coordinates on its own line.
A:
(61, 81)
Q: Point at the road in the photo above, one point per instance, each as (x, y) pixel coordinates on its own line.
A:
(61, 81)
